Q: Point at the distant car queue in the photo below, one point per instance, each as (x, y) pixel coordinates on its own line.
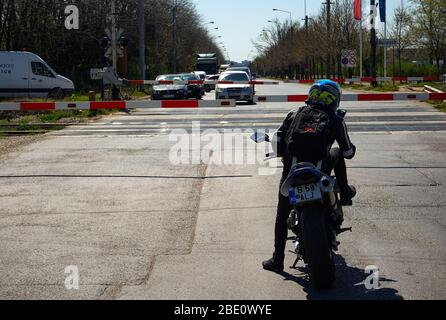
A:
(239, 92)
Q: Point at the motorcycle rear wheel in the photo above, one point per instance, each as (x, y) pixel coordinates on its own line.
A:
(318, 252)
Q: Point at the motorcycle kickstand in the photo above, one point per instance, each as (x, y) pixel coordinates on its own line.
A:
(294, 266)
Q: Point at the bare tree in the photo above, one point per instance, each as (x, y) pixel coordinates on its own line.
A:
(38, 26)
(401, 30)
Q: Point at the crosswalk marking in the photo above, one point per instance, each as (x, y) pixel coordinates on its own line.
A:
(361, 118)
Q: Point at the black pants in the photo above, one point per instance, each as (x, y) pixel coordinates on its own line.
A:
(334, 161)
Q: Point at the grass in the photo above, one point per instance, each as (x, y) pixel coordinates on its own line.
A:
(439, 86)
(439, 105)
(39, 121)
(381, 87)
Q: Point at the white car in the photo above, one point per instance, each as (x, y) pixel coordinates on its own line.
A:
(245, 69)
(210, 87)
(25, 74)
(238, 92)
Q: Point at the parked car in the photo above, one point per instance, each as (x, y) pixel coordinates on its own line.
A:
(193, 90)
(238, 92)
(245, 69)
(25, 74)
(170, 91)
(210, 87)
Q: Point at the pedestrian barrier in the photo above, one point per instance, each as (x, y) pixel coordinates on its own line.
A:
(370, 79)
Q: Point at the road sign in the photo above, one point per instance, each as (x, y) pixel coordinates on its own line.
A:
(387, 43)
(348, 58)
(119, 33)
(96, 74)
(119, 51)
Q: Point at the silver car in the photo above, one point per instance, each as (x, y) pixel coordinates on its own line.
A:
(238, 92)
(169, 91)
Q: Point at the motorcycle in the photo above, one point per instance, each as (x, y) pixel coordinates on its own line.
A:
(316, 219)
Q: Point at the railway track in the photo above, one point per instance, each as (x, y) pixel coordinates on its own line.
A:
(31, 128)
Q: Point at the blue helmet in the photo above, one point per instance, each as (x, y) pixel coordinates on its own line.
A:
(326, 94)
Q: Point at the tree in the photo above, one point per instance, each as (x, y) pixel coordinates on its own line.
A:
(38, 26)
(401, 30)
(429, 27)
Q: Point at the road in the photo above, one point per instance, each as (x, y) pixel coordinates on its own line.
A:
(107, 198)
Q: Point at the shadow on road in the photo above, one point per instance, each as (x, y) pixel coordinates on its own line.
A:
(348, 285)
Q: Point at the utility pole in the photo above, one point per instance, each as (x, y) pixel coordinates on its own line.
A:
(373, 40)
(306, 16)
(328, 4)
(174, 37)
(142, 45)
(358, 16)
(306, 34)
(385, 50)
(113, 32)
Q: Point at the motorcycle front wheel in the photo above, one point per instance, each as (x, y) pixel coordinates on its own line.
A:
(318, 252)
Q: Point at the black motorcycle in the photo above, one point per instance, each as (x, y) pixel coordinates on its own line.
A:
(316, 219)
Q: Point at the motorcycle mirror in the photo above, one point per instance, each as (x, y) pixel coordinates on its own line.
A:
(259, 137)
(342, 113)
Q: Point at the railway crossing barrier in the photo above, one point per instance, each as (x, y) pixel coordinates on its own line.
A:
(176, 104)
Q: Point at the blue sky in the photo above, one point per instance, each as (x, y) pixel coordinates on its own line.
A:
(240, 21)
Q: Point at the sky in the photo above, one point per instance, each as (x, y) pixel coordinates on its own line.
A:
(241, 21)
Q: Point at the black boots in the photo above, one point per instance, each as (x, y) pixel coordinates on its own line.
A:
(275, 264)
(346, 197)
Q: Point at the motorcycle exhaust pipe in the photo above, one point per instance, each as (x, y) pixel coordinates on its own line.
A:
(327, 185)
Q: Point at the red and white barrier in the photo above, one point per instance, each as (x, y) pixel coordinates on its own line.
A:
(117, 105)
(178, 104)
(370, 79)
(197, 82)
(358, 97)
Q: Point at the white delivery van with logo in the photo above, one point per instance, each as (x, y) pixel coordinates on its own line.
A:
(24, 74)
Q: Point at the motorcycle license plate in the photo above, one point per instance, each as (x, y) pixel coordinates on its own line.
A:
(306, 193)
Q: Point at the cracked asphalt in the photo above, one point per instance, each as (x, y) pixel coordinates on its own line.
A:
(106, 197)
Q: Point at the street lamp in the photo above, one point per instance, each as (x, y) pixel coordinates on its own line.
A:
(289, 12)
(306, 17)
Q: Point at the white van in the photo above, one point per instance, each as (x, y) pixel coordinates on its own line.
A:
(24, 74)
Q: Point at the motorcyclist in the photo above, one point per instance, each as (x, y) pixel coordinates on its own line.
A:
(324, 95)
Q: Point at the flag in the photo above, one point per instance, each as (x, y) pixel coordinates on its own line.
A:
(358, 9)
(382, 10)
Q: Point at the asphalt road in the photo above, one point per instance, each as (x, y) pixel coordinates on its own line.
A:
(109, 199)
